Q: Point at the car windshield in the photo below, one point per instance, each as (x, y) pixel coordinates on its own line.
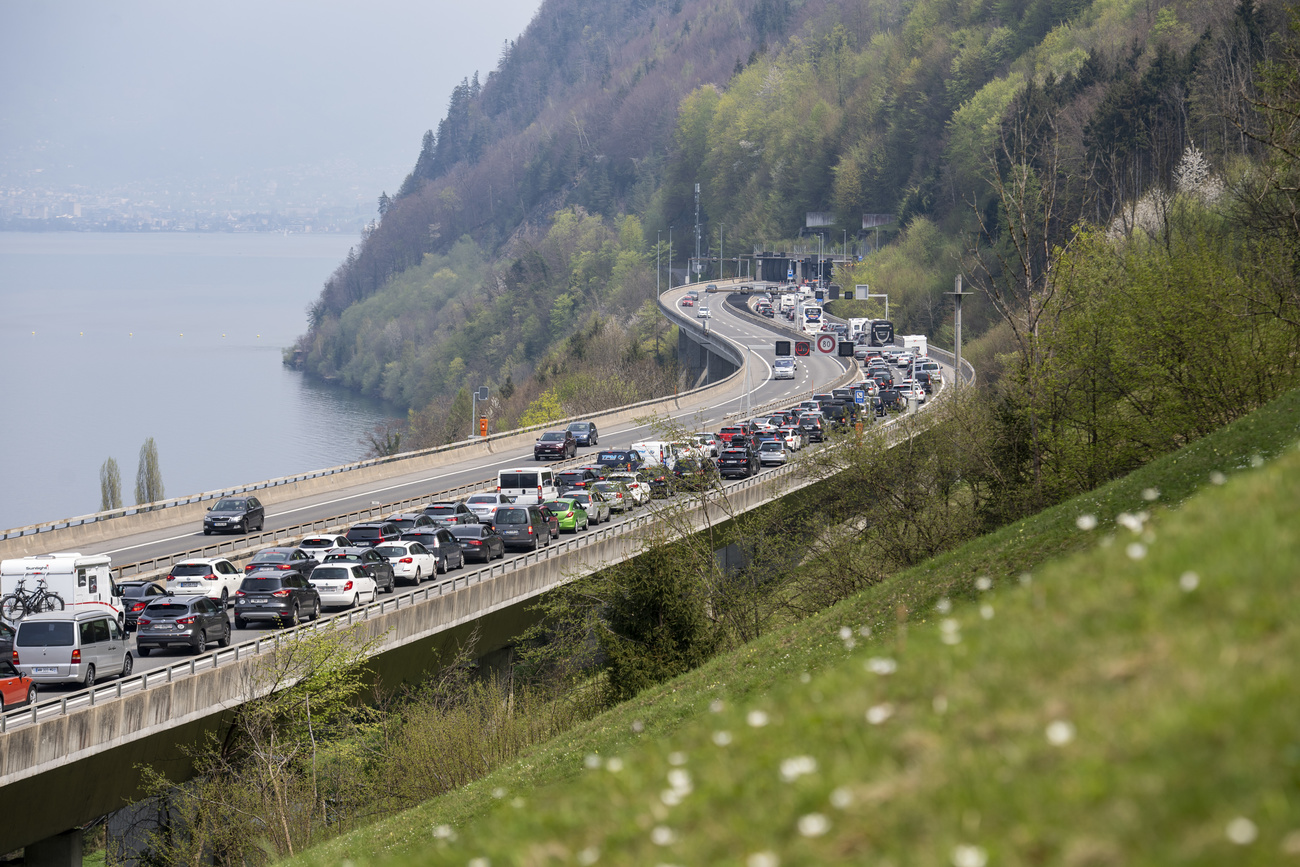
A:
(771, 446)
(184, 570)
(440, 509)
(580, 426)
(133, 591)
(552, 437)
(331, 573)
(229, 506)
(317, 543)
(482, 498)
(271, 557)
(392, 551)
(167, 609)
(468, 531)
(512, 516)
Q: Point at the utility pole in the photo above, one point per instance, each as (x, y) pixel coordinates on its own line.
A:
(658, 291)
(722, 274)
(957, 295)
(697, 228)
(670, 257)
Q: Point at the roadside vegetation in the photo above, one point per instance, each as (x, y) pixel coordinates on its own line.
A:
(1103, 682)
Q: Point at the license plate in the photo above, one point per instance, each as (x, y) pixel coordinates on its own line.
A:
(44, 669)
(160, 626)
(257, 600)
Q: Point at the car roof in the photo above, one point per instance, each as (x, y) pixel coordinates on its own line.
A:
(200, 561)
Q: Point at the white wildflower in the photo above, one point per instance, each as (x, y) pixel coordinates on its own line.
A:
(969, 856)
(983, 583)
(763, 859)
(1242, 831)
(756, 719)
(1189, 581)
(881, 665)
(814, 825)
(1136, 551)
(943, 606)
(722, 738)
(1060, 732)
(877, 714)
(842, 798)
(796, 767)
(1086, 522)
(662, 835)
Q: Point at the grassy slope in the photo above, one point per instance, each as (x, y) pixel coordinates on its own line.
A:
(1181, 706)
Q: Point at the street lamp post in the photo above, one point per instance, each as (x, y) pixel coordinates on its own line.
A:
(657, 289)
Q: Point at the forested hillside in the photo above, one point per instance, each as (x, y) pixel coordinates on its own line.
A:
(997, 133)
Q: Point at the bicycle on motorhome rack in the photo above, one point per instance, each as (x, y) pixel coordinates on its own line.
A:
(22, 602)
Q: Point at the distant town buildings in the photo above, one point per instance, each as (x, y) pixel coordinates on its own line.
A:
(28, 206)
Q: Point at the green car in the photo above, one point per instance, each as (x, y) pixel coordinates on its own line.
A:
(570, 512)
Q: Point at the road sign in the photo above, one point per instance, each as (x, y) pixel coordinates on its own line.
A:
(827, 343)
(782, 348)
(846, 349)
(859, 396)
(802, 347)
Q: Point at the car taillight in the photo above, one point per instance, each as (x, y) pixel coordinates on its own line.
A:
(144, 621)
(139, 606)
(210, 577)
(171, 577)
(474, 541)
(185, 621)
(248, 568)
(406, 560)
(284, 567)
(281, 593)
(347, 587)
(76, 655)
(15, 655)
(239, 592)
(530, 529)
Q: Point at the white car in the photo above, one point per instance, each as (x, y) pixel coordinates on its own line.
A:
(706, 444)
(342, 584)
(640, 490)
(912, 391)
(411, 561)
(905, 359)
(703, 312)
(484, 505)
(793, 437)
(783, 368)
(214, 577)
(319, 546)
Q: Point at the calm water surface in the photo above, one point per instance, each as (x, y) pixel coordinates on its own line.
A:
(106, 339)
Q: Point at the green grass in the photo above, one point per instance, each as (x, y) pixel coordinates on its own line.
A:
(1179, 703)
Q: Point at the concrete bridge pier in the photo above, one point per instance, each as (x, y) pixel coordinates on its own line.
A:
(61, 850)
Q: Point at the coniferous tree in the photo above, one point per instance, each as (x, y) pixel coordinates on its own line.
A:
(110, 486)
(148, 476)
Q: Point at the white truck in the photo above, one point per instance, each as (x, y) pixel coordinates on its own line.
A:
(915, 344)
(857, 325)
(80, 583)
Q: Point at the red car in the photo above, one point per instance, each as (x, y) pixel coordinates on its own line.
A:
(15, 689)
(688, 301)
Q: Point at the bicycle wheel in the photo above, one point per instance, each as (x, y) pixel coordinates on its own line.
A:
(12, 608)
(48, 602)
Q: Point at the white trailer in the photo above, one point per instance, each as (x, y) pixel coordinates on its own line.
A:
(857, 325)
(915, 344)
(82, 582)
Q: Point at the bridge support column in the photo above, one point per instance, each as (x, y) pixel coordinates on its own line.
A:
(61, 850)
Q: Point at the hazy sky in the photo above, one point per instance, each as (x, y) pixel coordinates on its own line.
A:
(104, 91)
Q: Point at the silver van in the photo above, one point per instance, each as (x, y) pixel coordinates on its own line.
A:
(71, 647)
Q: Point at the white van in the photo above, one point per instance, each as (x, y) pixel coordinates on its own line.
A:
(659, 453)
(81, 583)
(527, 487)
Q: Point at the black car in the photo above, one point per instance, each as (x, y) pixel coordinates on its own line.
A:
(522, 527)
(585, 433)
(234, 515)
(439, 541)
(6, 641)
(135, 596)
(737, 462)
(294, 560)
(925, 379)
(629, 459)
(376, 565)
(480, 541)
(451, 513)
(695, 474)
(555, 444)
(368, 534)
(578, 477)
(280, 597)
(191, 622)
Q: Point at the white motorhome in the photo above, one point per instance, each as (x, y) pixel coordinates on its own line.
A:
(82, 582)
(915, 344)
(659, 453)
(857, 325)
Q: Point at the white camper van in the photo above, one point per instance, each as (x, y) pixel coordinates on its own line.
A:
(80, 583)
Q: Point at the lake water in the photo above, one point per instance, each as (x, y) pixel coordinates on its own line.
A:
(106, 339)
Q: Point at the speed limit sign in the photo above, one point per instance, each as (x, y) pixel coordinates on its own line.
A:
(827, 343)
